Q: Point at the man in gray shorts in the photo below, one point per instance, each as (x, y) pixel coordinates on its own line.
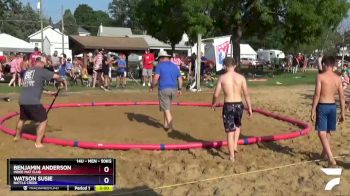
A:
(147, 70)
(29, 100)
(170, 84)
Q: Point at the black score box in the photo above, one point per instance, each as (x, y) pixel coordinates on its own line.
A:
(97, 188)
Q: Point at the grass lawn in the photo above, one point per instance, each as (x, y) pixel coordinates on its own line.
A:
(279, 79)
(288, 79)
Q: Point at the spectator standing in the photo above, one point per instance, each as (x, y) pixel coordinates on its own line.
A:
(55, 61)
(121, 71)
(97, 69)
(147, 71)
(34, 55)
(15, 69)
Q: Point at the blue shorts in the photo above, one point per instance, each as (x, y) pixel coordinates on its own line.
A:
(326, 117)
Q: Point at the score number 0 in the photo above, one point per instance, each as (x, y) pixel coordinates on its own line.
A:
(106, 179)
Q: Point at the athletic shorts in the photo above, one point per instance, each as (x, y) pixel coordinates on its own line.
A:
(166, 96)
(326, 117)
(232, 113)
(105, 72)
(21, 74)
(63, 77)
(98, 70)
(36, 113)
(147, 72)
(121, 74)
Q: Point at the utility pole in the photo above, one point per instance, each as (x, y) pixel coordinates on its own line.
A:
(42, 25)
(199, 56)
(343, 51)
(62, 23)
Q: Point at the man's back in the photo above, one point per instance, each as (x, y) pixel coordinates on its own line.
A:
(169, 74)
(330, 83)
(232, 84)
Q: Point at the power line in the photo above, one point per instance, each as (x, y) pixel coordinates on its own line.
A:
(37, 21)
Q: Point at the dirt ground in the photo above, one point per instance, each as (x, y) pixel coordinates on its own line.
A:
(138, 170)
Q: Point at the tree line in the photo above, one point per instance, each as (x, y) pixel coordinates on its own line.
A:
(290, 25)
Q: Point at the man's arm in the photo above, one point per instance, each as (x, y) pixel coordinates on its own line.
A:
(316, 98)
(342, 102)
(180, 85)
(216, 93)
(247, 97)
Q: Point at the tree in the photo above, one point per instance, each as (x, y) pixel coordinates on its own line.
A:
(50, 21)
(169, 20)
(70, 25)
(19, 20)
(123, 13)
(198, 20)
(162, 19)
(292, 25)
(89, 19)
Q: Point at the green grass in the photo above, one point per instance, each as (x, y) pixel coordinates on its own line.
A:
(287, 79)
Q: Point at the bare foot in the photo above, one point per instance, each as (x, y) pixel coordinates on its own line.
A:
(332, 163)
(15, 139)
(232, 159)
(39, 145)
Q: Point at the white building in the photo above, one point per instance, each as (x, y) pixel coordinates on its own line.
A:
(54, 40)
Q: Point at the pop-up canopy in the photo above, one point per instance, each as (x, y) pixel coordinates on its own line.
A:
(9, 43)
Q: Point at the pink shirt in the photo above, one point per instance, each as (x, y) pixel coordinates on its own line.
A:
(33, 57)
(98, 61)
(15, 65)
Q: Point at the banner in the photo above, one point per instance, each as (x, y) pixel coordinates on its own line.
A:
(221, 51)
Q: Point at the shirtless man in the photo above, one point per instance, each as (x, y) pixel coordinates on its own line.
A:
(233, 84)
(324, 109)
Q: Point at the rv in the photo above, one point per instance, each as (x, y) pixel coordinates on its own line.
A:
(268, 56)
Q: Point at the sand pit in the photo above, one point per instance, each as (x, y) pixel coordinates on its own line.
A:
(139, 112)
(138, 170)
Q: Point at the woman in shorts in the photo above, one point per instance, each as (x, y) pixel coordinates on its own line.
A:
(121, 71)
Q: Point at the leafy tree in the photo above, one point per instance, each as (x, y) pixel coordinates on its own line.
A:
(168, 20)
(123, 13)
(19, 20)
(162, 19)
(70, 25)
(89, 19)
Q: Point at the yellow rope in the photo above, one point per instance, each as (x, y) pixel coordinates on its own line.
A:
(222, 177)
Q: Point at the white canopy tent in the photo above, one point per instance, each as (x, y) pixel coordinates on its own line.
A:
(9, 43)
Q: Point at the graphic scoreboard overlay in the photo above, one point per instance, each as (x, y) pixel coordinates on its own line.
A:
(82, 174)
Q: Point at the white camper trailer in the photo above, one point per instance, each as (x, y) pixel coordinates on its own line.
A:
(267, 56)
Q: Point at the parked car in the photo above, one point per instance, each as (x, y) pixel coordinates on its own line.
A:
(250, 62)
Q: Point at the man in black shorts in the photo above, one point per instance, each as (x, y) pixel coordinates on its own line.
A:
(233, 84)
(29, 100)
(105, 73)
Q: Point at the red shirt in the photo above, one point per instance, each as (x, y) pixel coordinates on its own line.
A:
(148, 60)
(2, 59)
(33, 57)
